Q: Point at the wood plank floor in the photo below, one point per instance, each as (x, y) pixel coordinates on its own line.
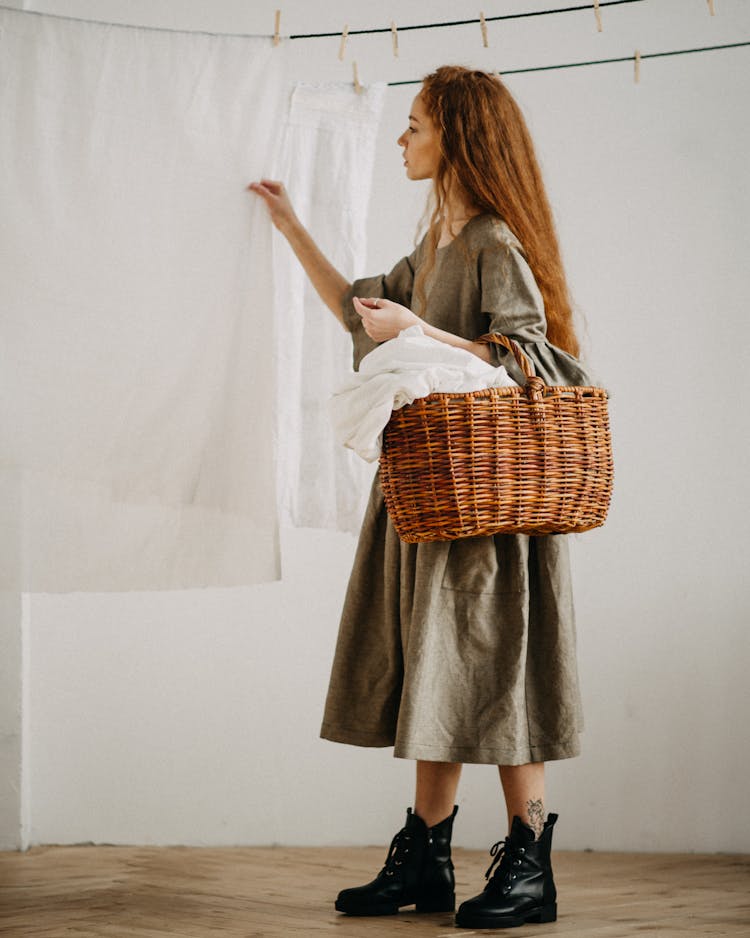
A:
(241, 892)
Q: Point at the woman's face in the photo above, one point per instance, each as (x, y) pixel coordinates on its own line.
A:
(420, 143)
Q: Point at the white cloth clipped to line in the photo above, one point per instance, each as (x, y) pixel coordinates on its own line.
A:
(398, 372)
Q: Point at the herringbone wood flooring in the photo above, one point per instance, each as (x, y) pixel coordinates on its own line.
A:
(241, 892)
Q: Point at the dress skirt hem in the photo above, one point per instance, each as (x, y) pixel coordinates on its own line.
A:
(542, 751)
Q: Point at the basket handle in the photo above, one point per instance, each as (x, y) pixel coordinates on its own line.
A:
(534, 385)
(496, 338)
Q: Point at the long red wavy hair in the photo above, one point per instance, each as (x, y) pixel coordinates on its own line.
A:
(486, 151)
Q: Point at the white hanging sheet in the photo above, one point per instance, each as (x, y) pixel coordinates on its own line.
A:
(137, 373)
(326, 161)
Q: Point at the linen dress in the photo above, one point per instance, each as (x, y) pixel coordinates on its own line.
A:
(465, 650)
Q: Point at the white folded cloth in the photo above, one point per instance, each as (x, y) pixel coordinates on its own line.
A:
(398, 372)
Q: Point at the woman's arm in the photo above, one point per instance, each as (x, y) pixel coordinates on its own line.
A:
(330, 285)
(476, 348)
(384, 320)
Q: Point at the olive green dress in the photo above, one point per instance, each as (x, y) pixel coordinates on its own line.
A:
(461, 651)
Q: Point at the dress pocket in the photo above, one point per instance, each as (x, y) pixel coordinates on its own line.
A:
(496, 564)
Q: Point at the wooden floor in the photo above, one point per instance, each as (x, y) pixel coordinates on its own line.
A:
(145, 892)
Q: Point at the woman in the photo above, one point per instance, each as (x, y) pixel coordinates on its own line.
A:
(460, 651)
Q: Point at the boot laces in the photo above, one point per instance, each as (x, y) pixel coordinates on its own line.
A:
(508, 857)
(397, 852)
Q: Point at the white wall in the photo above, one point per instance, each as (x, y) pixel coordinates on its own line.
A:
(192, 717)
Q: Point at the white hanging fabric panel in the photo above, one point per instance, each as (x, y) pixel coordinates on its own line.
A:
(137, 372)
(326, 161)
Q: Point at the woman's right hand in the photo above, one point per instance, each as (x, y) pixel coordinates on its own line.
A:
(330, 285)
(275, 196)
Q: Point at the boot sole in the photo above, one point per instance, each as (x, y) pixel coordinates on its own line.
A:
(424, 906)
(539, 916)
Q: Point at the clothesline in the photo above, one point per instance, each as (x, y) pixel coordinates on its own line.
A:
(471, 22)
(625, 58)
(637, 57)
(350, 32)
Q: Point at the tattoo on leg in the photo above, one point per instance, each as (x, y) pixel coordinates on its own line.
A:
(535, 811)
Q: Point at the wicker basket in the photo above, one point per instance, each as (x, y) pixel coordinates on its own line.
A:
(531, 460)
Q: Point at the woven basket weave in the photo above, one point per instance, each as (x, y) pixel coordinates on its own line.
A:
(531, 460)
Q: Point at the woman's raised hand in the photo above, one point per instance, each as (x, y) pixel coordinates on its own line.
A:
(275, 196)
(384, 319)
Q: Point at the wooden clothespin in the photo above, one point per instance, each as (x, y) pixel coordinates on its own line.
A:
(394, 36)
(637, 74)
(342, 47)
(277, 25)
(598, 15)
(711, 8)
(357, 86)
(483, 25)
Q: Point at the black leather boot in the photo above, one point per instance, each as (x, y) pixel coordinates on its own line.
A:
(418, 871)
(521, 889)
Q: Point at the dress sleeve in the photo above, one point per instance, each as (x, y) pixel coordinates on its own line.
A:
(396, 285)
(513, 305)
